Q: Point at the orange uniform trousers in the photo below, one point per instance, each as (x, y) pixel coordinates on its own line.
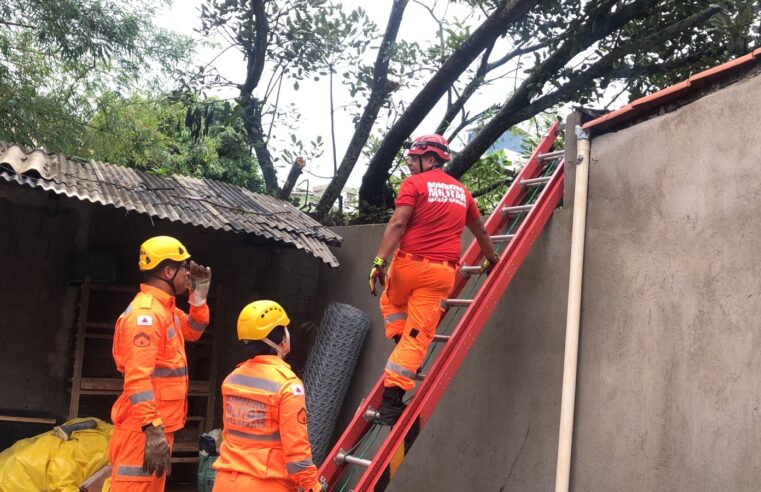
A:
(411, 306)
(228, 481)
(126, 448)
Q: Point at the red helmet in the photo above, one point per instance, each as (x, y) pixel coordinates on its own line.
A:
(430, 143)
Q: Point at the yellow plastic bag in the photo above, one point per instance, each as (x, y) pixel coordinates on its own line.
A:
(45, 463)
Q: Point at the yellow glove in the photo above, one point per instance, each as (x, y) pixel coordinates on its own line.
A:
(377, 272)
(488, 264)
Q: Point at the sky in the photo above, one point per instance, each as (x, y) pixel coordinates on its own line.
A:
(312, 99)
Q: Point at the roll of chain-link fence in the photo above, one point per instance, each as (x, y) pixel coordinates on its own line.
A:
(329, 369)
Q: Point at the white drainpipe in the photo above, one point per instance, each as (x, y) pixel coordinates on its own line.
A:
(565, 439)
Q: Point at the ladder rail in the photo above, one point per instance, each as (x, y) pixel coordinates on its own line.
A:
(358, 426)
(453, 353)
(496, 221)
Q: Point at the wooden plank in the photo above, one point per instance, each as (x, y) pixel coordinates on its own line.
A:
(184, 459)
(96, 480)
(185, 447)
(101, 326)
(30, 420)
(84, 304)
(196, 388)
(101, 336)
(218, 312)
(113, 288)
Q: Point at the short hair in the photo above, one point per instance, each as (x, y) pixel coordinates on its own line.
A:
(259, 347)
(439, 161)
(165, 263)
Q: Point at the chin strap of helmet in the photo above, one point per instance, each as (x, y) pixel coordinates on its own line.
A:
(280, 351)
(171, 282)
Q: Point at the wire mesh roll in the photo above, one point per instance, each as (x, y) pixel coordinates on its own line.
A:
(329, 369)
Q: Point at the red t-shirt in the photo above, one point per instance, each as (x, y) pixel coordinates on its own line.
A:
(441, 207)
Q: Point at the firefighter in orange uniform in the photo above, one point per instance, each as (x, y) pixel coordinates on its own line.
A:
(149, 350)
(432, 209)
(264, 440)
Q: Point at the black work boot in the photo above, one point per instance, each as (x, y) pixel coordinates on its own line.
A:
(392, 405)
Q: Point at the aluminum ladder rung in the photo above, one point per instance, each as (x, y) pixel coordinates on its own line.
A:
(535, 183)
(343, 457)
(419, 376)
(551, 155)
(440, 338)
(502, 238)
(470, 270)
(457, 302)
(516, 210)
(371, 414)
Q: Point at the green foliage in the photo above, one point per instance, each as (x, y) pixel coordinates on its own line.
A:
(492, 169)
(162, 136)
(84, 77)
(56, 58)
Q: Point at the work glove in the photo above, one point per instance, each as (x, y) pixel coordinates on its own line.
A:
(156, 453)
(377, 272)
(200, 279)
(488, 264)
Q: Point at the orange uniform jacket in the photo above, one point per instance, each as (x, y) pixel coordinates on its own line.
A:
(149, 349)
(265, 424)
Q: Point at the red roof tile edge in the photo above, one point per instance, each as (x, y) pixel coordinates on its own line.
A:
(652, 101)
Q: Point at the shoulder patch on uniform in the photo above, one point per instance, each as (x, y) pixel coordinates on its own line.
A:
(144, 301)
(141, 339)
(144, 320)
(302, 416)
(297, 389)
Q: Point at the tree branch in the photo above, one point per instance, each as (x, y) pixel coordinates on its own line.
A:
(519, 109)
(493, 186)
(598, 24)
(470, 89)
(381, 88)
(372, 191)
(296, 169)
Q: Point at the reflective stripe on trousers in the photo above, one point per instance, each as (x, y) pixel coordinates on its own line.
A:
(169, 372)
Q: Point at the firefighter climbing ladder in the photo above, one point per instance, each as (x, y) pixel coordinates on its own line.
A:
(514, 226)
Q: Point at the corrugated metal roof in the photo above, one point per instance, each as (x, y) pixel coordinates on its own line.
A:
(199, 202)
(653, 101)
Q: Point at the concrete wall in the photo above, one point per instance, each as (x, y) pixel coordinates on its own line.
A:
(669, 397)
(501, 409)
(668, 394)
(38, 234)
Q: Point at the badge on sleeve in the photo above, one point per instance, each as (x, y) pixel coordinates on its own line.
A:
(141, 340)
(302, 416)
(297, 389)
(144, 320)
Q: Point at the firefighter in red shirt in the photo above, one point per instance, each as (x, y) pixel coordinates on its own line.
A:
(432, 209)
(264, 441)
(149, 350)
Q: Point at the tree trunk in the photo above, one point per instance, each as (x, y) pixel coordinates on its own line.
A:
(371, 193)
(296, 169)
(252, 120)
(382, 87)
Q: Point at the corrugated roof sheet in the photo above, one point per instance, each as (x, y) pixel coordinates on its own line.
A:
(681, 90)
(199, 202)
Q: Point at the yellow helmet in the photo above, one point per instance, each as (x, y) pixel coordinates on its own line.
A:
(259, 318)
(160, 248)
